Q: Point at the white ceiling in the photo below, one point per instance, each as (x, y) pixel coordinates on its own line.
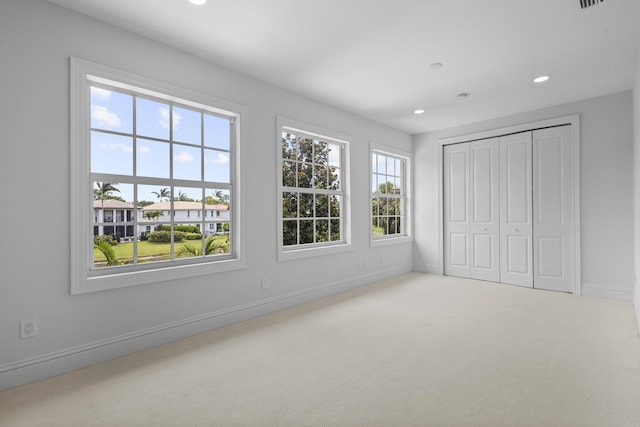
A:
(372, 57)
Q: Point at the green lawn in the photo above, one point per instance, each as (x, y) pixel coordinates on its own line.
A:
(148, 251)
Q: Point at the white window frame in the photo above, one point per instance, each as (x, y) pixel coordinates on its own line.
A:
(83, 279)
(286, 253)
(407, 158)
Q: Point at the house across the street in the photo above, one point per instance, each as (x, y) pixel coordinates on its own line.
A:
(115, 217)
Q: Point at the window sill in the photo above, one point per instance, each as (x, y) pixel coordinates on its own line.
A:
(127, 279)
(386, 241)
(287, 255)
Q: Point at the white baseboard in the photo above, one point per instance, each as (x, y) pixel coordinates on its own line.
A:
(609, 292)
(47, 365)
(427, 268)
(636, 303)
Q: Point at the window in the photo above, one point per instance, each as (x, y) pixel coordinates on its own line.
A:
(313, 187)
(390, 185)
(144, 155)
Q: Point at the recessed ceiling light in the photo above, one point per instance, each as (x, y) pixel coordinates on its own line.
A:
(198, 2)
(419, 111)
(463, 95)
(541, 79)
(436, 66)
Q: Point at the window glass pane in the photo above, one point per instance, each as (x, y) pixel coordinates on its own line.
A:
(289, 146)
(335, 231)
(335, 206)
(320, 177)
(306, 231)
(218, 197)
(216, 166)
(289, 205)
(322, 206)
(152, 118)
(390, 166)
(152, 158)
(289, 232)
(305, 175)
(186, 162)
(111, 154)
(334, 178)
(306, 205)
(111, 110)
(398, 167)
(334, 155)
(111, 252)
(289, 173)
(305, 152)
(375, 203)
(382, 164)
(187, 126)
(322, 230)
(217, 132)
(320, 152)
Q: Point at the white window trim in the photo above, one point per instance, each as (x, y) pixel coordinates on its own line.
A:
(331, 247)
(81, 191)
(408, 178)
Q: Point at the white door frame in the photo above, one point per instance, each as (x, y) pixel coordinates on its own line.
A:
(574, 122)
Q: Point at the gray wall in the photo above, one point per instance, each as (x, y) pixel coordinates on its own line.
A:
(606, 193)
(36, 41)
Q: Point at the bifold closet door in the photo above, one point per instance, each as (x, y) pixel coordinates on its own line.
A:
(456, 210)
(484, 225)
(516, 223)
(553, 252)
(471, 199)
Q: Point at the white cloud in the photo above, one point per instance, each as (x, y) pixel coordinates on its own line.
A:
(164, 118)
(143, 149)
(117, 147)
(219, 159)
(104, 117)
(183, 157)
(100, 93)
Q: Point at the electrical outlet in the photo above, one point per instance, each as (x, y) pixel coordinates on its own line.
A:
(265, 283)
(28, 328)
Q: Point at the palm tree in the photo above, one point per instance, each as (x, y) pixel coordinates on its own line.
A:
(211, 246)
(110, 254)
(162, 194)
(103, 191)
(153, 214)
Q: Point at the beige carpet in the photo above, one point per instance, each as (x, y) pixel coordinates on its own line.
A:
(419, 350)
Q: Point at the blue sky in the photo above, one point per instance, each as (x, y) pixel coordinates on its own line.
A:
(113, 154)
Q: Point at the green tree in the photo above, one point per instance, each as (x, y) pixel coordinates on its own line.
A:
(152, 215)
(110, 254)
(212, 245)
(103, 192)
(183, 197)
(164, 193)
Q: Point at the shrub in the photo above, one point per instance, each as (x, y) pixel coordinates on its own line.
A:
(104, 238)
(183, 228)
(164, 236)
(193, 236)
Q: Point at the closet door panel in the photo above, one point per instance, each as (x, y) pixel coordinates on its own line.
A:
(485, 209)
(553, 213)
(456, 210)
(516, 210)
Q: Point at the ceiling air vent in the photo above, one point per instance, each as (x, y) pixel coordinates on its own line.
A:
(588, 3)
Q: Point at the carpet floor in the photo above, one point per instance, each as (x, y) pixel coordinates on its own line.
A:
(416, 350)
